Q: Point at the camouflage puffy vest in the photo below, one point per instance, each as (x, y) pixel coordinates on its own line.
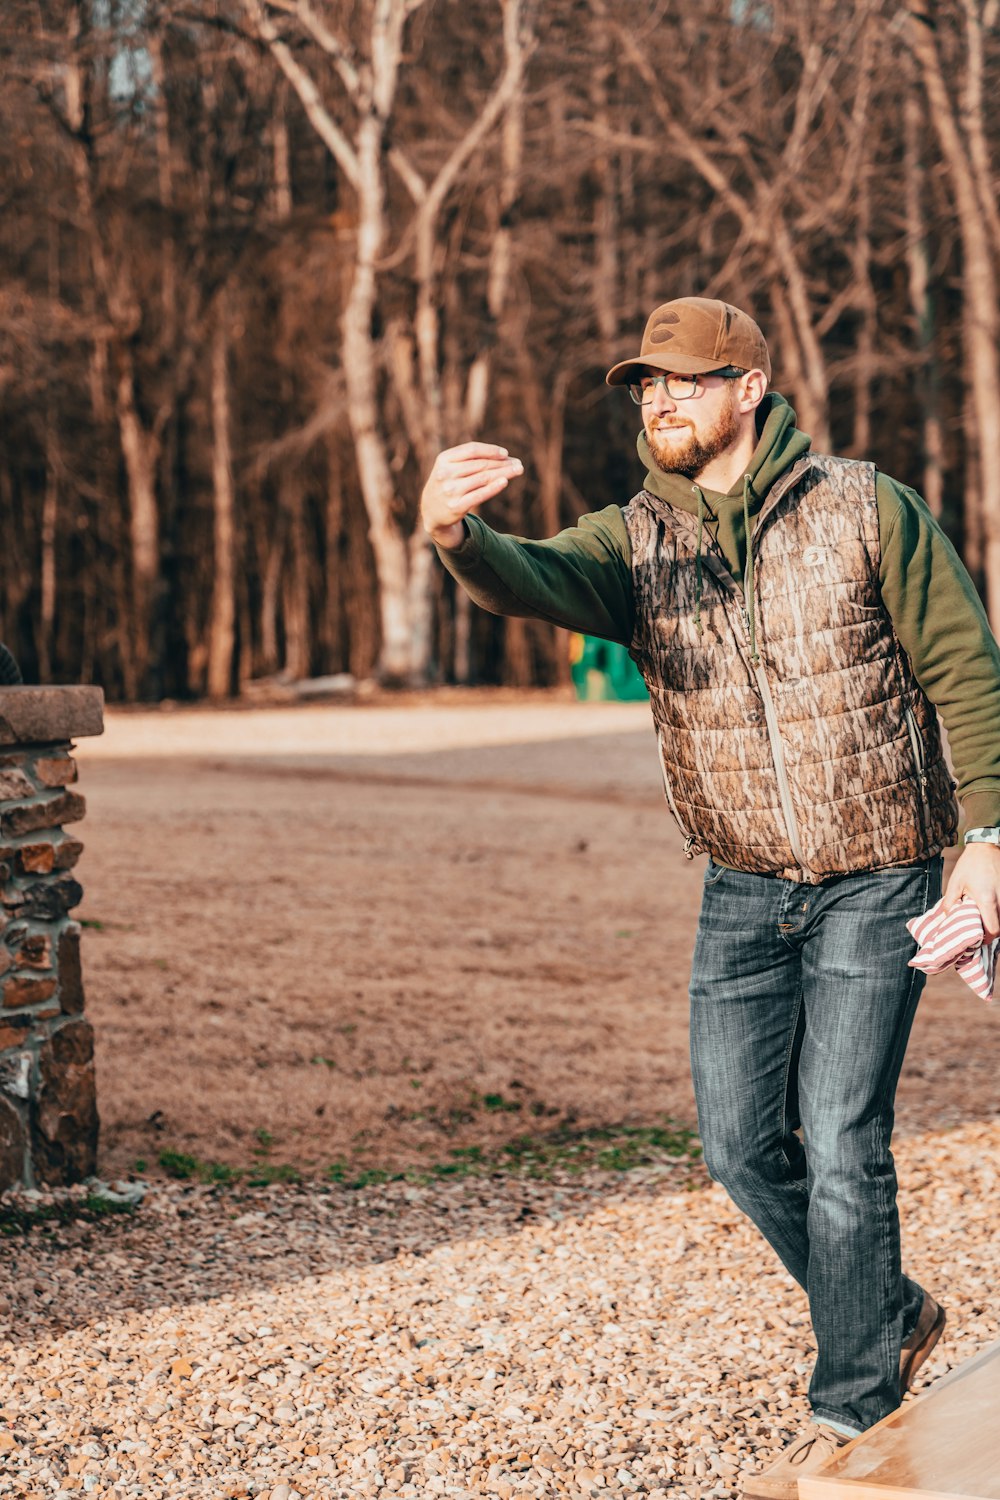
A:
(824, 757)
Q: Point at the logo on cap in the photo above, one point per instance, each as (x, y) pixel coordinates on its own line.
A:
(661, 334)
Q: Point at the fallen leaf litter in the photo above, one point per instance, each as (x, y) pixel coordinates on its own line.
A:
(585, 1336)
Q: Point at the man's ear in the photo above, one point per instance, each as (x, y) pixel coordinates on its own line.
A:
(753, 388)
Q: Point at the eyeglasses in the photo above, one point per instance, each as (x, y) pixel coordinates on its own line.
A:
(677, 387)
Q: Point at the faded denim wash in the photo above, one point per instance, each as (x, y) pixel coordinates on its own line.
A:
(801, 1008)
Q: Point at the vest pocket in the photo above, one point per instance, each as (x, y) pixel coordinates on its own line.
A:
(690, 843)
(919, 764)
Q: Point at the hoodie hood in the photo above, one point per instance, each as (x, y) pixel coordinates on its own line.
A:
(779, 446)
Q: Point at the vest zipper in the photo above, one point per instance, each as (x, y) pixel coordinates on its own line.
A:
(778, 758)
(770, 715)
(774, 737)
(920, 764)
(690, 842)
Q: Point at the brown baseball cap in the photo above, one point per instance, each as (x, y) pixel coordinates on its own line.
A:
(693, 335)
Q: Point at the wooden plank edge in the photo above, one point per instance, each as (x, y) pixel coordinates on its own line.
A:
(833, 1487)
(825, 1486)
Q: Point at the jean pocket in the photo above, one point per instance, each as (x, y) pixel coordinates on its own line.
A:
(714, 872)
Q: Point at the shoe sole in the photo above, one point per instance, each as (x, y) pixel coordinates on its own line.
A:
(915, 1357)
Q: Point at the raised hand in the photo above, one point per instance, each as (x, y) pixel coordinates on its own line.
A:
(461, 479)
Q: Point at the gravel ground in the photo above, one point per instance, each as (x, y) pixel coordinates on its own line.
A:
(596, 1335)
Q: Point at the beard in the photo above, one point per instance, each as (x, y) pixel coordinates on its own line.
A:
(689, 457)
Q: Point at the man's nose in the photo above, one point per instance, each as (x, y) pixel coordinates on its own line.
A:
(662, 401)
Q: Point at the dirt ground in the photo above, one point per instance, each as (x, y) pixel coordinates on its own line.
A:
(378, 934)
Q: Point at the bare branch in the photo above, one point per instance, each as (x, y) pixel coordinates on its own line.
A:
(324, 39)
(408, 175)
(302, 82)
(509, 82)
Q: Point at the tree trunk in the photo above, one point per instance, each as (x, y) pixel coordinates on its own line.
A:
(922, 305)
(295, 581)
(269, 539)
(117, 296)
(607, 229)
(50, 504)
(981, 322)
(139, 454)
(478, 383)
(792, 298)
(333, 652)
(402, 562)
(361, 380)
(222, 618)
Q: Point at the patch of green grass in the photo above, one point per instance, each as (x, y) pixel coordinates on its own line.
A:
(265, 1173)
(373, 1177)
(466, 1161)
(327, 1062)
(496, 1102)
(264, 1138)
(606, 1148)
(18, 1218)
(139, 1165)
(617, 1148)
(186, 1168)
(178, 1164)
(95, 1204)
(220, 1171)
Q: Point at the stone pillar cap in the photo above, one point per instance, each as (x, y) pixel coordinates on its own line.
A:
(47, 715)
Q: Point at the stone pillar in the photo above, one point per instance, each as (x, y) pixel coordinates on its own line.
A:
(48, 1103)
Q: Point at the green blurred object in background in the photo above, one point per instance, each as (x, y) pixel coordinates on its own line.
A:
(603, 671)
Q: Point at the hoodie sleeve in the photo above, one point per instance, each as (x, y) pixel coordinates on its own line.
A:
(942, 626)
(580, 579)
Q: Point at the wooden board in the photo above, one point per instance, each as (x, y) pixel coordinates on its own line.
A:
(945, 1445)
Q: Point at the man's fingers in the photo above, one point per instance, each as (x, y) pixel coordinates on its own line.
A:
(470, 498)
(462, 478)
(990, 915)
(466, 451)
(985, 903)
(473, 466)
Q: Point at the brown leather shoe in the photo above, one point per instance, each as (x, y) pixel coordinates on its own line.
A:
(930, 1326)
(808, 1453)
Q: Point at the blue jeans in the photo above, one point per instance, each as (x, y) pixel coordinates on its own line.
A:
(801, 1008)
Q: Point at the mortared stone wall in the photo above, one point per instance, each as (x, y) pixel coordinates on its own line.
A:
(48, 1101)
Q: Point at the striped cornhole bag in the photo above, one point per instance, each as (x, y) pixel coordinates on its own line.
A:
(955, 939)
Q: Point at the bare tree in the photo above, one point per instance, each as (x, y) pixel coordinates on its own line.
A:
(959, 127)
(368, 85)
(222, 620)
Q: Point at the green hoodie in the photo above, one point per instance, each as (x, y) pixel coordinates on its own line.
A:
(582, 580)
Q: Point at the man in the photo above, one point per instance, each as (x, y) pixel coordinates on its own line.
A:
(797, 618)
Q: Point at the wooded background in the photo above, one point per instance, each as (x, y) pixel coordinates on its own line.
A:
(261, 259)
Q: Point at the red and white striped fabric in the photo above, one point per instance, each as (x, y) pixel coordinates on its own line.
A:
(956, 939)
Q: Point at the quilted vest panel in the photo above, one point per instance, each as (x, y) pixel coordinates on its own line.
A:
(825, 756)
